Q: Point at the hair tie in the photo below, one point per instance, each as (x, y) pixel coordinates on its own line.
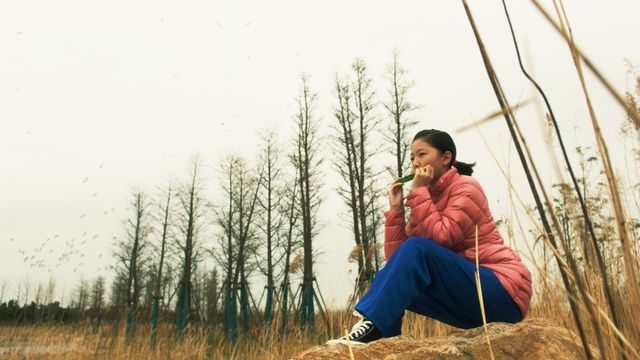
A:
(455, 162)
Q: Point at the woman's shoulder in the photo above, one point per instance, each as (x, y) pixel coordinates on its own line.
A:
(465, 182)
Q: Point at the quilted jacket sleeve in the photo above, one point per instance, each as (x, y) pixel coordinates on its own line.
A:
(446, 227)
(394, 233)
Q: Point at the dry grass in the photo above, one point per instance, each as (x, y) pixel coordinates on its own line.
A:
(79, 341)
(69, 342)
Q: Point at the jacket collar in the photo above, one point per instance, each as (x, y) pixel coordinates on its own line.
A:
(447, 178)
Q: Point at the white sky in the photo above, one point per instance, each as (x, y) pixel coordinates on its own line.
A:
(123, 93)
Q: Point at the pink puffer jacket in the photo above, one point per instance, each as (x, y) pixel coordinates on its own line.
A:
(448, 214)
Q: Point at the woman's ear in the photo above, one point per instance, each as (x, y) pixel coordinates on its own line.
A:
(447, 157)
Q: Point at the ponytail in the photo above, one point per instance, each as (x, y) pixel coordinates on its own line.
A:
(463, 168)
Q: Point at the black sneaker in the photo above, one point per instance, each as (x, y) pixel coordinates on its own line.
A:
(361, 333)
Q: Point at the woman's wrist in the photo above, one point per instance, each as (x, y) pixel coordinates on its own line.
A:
(395, 208)
(417, 186)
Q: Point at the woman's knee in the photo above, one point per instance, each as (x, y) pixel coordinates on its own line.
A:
(415, 242)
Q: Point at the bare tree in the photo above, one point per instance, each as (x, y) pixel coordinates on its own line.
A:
(291, 240)
(39, 291)
(345, 161)
(97, 293)
(270, 219)
(170, 279)
(356, 126)
(50, 289)
(39, 300)
(82, 296)
(26, 286)
(307, 160)
(367, 123)
(19, 293)
(246, 203)
(189, 222)
(200, 278)
(132, 257)
(148, 289)
(161, 250)
(118, 295)
(97, 301)
(211, 295)
(240, 186)
(398, 107)
(224, 256)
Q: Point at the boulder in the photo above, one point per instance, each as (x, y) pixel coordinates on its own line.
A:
(530, 339)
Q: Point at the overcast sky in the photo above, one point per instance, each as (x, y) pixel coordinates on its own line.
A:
(99, 98)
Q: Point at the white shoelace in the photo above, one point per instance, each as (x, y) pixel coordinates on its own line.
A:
(360, 328)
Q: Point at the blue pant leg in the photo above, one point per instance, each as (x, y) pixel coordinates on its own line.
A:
(395, 287)
(453, 297)
(429, 279)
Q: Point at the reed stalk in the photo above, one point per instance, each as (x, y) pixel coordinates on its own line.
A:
(481, 299)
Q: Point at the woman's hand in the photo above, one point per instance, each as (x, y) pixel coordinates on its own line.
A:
(395, 195)
(424, 176)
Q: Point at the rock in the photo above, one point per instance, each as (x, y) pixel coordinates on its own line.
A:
(529, 339)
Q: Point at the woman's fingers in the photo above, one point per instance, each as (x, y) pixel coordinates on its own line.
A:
(427, 170)
(395, 187)
(396, 182)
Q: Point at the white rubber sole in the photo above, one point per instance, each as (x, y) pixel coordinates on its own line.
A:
(344, 342)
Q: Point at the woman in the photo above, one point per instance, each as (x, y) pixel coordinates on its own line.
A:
(430, 266)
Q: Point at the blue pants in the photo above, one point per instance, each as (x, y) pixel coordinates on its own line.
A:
(429, 279)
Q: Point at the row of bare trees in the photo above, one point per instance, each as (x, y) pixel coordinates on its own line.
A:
(266, 220)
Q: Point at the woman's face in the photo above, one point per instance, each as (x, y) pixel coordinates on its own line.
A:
(423, 154)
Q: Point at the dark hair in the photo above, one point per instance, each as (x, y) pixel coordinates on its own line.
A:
(443, 142)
